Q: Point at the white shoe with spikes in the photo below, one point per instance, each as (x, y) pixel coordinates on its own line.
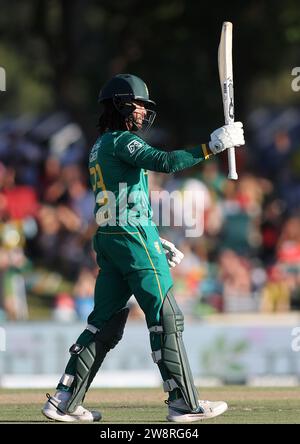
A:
(54, 409)
(180, 412)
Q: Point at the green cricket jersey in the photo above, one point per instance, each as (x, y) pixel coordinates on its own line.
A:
(118, 165)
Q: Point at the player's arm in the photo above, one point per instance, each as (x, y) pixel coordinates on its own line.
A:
(133, 150)
(139, 154)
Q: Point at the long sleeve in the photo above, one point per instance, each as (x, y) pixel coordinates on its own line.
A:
(134, 151)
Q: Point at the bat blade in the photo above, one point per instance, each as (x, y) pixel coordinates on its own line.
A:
(226, 82)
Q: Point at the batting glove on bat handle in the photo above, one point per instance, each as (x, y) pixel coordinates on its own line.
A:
(174, 256)
(228, 136)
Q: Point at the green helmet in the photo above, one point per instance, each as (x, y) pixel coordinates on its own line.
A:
(125, 87)
(122, 90)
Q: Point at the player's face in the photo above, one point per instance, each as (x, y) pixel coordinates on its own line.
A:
(139, 113)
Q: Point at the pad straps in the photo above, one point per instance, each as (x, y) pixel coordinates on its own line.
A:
(90, 358)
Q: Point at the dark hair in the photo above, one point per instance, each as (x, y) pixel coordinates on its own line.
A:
(110, 119)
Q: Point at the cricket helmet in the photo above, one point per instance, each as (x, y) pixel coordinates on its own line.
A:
(126, 87)
(123, 89)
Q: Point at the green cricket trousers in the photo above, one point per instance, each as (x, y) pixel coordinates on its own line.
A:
(131, 261)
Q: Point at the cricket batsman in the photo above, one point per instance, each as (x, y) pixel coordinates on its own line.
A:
(132, 258)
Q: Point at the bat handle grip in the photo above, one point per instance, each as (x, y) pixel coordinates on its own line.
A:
(232, 174)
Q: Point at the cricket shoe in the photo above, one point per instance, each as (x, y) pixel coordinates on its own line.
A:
(55, 408)
(179, 411)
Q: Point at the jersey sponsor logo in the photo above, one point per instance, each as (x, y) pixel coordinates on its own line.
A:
(93, 154)
(133, 146)
(94, 151)
(157, 246)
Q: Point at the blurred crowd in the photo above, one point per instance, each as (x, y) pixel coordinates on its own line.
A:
(46, 214)
(246, 260)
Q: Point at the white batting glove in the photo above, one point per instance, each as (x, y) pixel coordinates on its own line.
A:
(174, 256)
(227, 136)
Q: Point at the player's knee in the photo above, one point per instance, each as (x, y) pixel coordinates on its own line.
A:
(172, 317)
(171, 321)
(92, 356)
(112, 331)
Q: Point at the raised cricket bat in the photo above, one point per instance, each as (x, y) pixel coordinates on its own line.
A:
(226, 80)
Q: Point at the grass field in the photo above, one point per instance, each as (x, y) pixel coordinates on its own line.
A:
(132, 406)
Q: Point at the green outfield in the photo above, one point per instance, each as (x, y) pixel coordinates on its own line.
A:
(132, 406)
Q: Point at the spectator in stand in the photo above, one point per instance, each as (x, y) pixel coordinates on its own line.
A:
(212, 177)
(64, 310)
(52, 186)
(235, 276)
(276, 294)
(18, 201)
(270, 229)
(81, 199)
(84, 293)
